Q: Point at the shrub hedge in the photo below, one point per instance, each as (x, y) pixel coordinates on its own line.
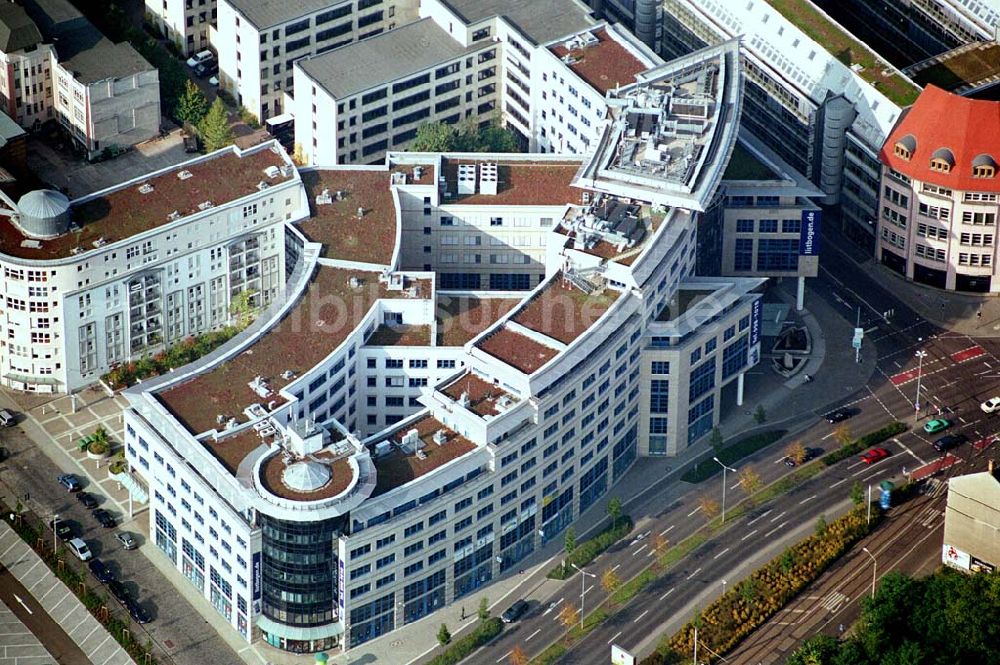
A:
(866, 441)
(178, 355)
(462, 648)
(729, 455)
(589, 550)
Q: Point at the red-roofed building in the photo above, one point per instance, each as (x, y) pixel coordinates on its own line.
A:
(938, 199)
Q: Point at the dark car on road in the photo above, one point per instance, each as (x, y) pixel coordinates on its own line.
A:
(63, 530)
(949, 441)
(136, 611)
(838, 415)
(514, 612)
(104, 518)
(87, 500)
(100, 571)
(119, 591)
(70, 482)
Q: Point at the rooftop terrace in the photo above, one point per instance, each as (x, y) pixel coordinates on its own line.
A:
(231, 450)
(519, 351)
(967, 66)
(818, 27)
(564, 312)
(604, 65)
(401, 335)
(461, 318)
(520, 183)
(370, 238)
(483, 395)
(328, 311)
(126, 211)
(341, 475)
(399, 467)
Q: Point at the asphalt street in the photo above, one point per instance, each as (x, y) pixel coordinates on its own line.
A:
(957, 373)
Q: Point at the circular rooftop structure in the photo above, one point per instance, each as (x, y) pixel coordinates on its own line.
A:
(306, 476)
(44, 213)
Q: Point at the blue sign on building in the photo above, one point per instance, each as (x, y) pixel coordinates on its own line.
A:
(256, 576)
(755, 309)
(809, 232)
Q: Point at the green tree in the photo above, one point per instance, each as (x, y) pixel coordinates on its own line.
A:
(496, 138)
(570, 542)
(192, 105)
(433, 137)
(614, 510)
(444, 635)
(214, 127)
(821, 525)
(484, 609)
(857, 493)
(242, 308)
(760, 415)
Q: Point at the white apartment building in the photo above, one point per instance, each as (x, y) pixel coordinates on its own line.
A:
(429, 71)
(357, 509)
(56, 64)
(939, 197)
(826, 119)
(258, 41)
(187, 23)
(127, 271)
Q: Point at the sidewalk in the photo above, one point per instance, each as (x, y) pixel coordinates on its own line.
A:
(18, 645)
(58, 601)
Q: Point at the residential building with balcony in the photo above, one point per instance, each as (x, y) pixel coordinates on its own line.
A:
(938, 202)
(258, 41)
(385, 440)
(130, 270)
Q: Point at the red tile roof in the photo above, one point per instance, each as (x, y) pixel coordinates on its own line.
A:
(370, 238)
(604, 65)
(967, 127)
(520, 183)
(519, 351)
(126, 212)
(562, 311)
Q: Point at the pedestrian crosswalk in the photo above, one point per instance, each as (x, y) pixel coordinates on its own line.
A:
(833, 600)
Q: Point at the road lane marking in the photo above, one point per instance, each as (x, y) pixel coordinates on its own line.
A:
(775, 519)
(617, 566)
(639, 550)
(532, 635)
(844, 480)
(666, 594)
(828, 435)
(553, 606)
(694, 511)
(750, 523)
(775, 529)
(904, 447)
(720, 554)
(749, 535)
(503, 657)
(808, 498)
(644, 613)
(664, 532)
(694, 573)
(737, 484)
(614, 637)
(26, 608)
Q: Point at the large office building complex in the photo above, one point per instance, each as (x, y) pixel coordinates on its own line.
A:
(469, 351)
(939, 188)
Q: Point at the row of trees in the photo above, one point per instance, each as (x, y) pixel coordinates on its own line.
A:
(466, 136)
(211, 122)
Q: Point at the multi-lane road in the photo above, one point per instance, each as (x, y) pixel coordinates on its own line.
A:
(957, 373)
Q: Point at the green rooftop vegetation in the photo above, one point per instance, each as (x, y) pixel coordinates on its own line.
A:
(966, 66)
(816, 25)
(744, 165)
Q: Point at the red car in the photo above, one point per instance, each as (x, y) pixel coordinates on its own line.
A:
(874, 455)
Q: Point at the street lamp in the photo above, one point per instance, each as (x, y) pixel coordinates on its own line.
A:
(583, 591)
(724, 469)
(55, 524)
(874, 568)
(921, 354)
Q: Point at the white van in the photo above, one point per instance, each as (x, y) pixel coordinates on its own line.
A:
(200, 57)
(7, 418)
(79, 548)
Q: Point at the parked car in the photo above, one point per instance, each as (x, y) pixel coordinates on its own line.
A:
(199, 58)
(136, 611)
(789, 461)
(126, 539)
(63, 530)
(79, 548)
(990, 405)
(70, 482)
(87, 500)
(838, 415)
(874, 455)
(949, 441)
(7, 418)
(514, 612)
(100, 571)
(104, 518)
(118, 590)
(208, 68)
(937, 425)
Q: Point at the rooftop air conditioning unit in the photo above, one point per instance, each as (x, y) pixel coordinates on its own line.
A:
(145, 188)
(324, 198)
(440, 438)
(411, 438)
(204, 205)
(383, 448)
(184, 174)
(262, 185)
(174, 216)
(272, 171)
(463, 399)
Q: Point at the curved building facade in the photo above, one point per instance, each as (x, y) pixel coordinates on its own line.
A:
(938, 203)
